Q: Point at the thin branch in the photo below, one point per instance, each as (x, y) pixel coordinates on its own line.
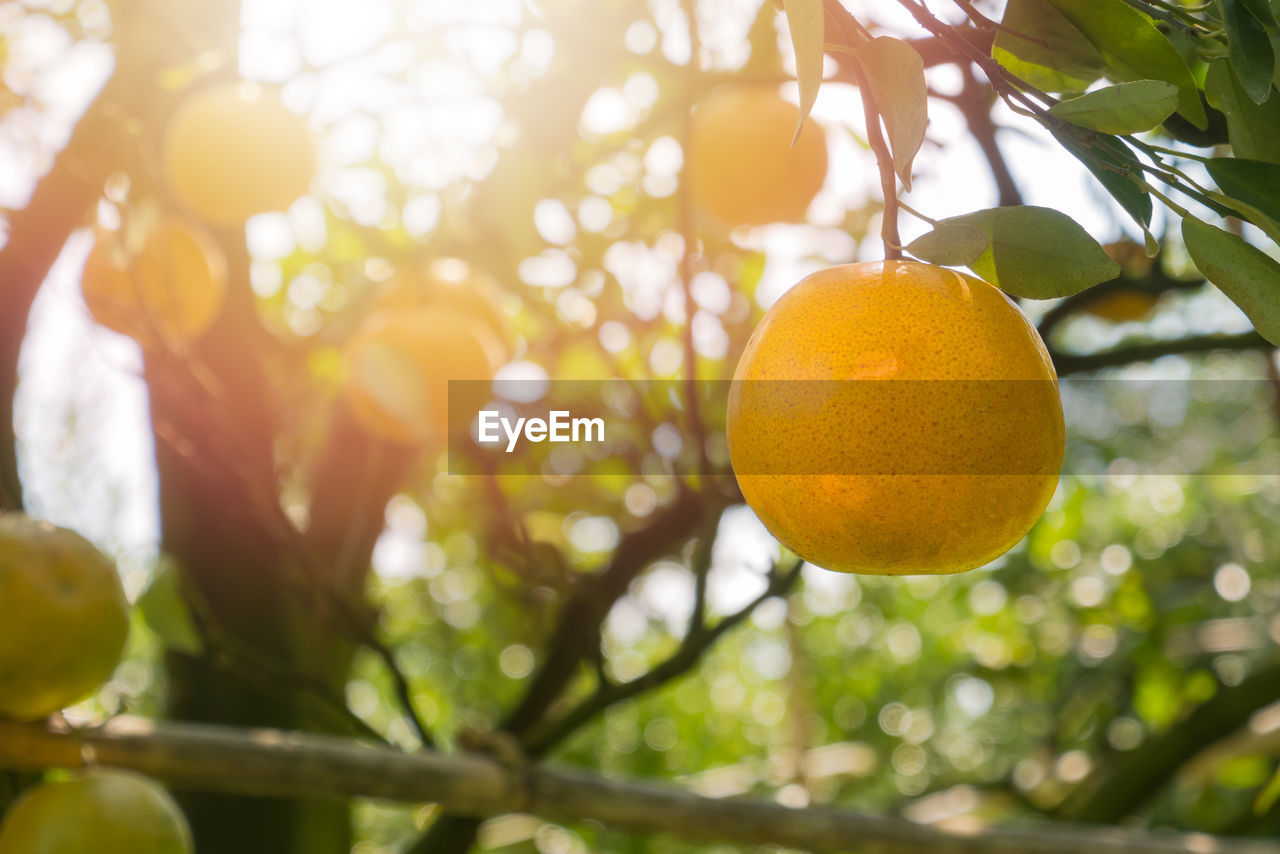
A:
(976, 109)
(936, 51)
(1156, 282)
(1066, 363)
(273, 763)
(579, 623)
(691, 651)
(1122, 787)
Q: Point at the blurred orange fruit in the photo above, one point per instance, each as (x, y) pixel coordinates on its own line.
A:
(939, 472)
(1123, 306)
(231, 151)
(399, 366)
(741, 166)
(103, 811)
(63, 618)
(1132, 258)
(169, 293)
(449, 284)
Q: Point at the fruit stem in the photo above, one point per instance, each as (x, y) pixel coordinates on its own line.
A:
(888, 179)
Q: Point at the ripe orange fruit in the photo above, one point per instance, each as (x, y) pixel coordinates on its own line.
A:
(231, 151)
(106, 812)
(449, 284)
(1123, 306)
(741, 165)
(399, 366)
(170, 293)
(896, 418)
(63, 618)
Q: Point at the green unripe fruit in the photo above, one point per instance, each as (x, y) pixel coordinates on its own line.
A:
(63, 618)
(103, 812)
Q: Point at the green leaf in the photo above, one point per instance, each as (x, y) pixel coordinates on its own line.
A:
(1111, 162)
(951, 244)
(1031, 252)
(1253, 182)
(166, 612)
(1038, 44)
(1262, 10)
(1133, 49)
(804, 18)
(1246, 274)
(1126, 108)
(1254, 129)
(1249, 49)
(895, 73)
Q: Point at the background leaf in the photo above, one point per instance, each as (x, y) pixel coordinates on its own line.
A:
(1039, 45)
(1111, 162)
(1249, 48)
(1246, 274)
(1031, 252)
(1133, 49)
(1254, 129)
(896, 75)
(1126, 108)
(804, 18)
(1253, 182)
(165, 610)
(1262, 10)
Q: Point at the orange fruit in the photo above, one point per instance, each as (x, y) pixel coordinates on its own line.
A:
(448, 284)
(1132, 258)
(1127, 304)
(231, 151)
(399, 366)
(106, 812)
(1123, 306)
(63, 618)
(742, 168)
(170, 293)
(896, 418)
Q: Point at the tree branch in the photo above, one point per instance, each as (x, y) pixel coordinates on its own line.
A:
(275, 763)
(1121, 788)
(1066, 363)
(579, 624)
(975, 106)
(36, 236)
(1156, 282)
(938, 51)
(695, 645)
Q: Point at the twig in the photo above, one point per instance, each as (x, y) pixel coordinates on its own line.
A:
(579, 624)
(1157, 282)
(1066, 363)
(694, 646)
(976, 109)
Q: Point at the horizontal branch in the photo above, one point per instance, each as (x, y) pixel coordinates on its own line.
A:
(1154, 283)
(1066, 363)
(272, 763)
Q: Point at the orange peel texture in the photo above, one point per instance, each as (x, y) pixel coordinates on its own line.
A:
(925, 434)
